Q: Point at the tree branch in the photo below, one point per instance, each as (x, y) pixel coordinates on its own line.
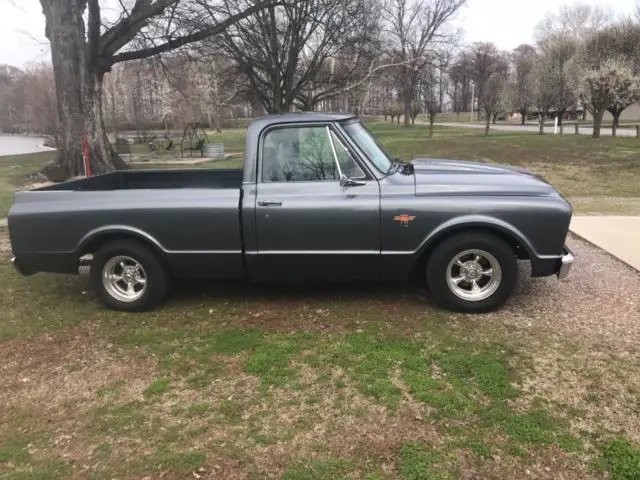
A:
(127, 28)
(93, 26)
(191, 38)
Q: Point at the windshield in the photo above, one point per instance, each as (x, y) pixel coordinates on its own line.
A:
(367, 143)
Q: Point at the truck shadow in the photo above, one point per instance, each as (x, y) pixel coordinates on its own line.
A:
(188, 290)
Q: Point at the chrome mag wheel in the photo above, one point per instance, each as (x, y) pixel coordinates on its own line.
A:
(474, 275)
(124, 278)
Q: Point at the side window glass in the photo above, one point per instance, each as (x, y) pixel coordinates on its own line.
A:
(298, 154)
(348, 165)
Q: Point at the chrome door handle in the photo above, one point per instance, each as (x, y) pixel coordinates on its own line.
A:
(269, 203)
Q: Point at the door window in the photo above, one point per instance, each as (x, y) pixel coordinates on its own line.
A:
(305, 154)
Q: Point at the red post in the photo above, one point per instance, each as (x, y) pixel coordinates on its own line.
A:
(86, 153)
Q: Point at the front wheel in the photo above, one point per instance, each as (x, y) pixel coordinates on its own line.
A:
(472, 273)
(128, 276)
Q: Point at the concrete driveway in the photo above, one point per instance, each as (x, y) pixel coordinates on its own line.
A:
(620, 236)
(568, 130)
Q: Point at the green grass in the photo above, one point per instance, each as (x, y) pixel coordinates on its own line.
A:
(419, 462)
(13, 170)
(622, 460)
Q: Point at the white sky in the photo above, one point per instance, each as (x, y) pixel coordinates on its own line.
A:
(507, 23)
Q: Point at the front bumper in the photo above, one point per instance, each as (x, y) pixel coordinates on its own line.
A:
(566, 263)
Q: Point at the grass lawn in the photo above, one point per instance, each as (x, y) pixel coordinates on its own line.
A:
(13, 170)
(228, 381)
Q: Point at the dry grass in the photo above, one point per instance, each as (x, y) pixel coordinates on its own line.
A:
(113, 397)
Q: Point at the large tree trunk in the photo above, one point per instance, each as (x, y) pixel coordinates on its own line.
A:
(541, 118)
(65, 31)
(79, 90)
(523, 117)
(597, 122)
(432, 119)
(487, 125)
(103, 157)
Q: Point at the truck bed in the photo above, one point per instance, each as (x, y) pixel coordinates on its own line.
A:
(190, 217)
(154, 179)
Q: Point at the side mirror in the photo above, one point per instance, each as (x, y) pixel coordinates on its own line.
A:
(348, 182)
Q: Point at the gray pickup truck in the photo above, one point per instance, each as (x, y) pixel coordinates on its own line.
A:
(318, 200)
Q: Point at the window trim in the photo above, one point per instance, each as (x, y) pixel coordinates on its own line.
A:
(330, 127)
(333, 135)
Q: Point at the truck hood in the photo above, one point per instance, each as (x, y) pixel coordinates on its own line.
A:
(457, 177)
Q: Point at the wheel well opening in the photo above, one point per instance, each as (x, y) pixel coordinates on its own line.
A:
(419, 270)
(93, 245)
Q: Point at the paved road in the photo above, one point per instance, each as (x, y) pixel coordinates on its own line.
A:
(620, 236)
(568, 130)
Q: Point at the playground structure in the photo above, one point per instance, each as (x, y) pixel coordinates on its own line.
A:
(193, 132)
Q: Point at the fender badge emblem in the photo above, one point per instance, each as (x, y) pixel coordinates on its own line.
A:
(404, 219)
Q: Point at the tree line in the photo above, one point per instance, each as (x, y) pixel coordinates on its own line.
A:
(162, 63)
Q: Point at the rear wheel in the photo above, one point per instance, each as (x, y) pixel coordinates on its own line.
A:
(128, 276)
(472, 272)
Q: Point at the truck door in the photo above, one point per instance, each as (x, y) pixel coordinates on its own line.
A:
(317, 212)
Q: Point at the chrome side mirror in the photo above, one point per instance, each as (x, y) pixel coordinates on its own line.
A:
(348, 182)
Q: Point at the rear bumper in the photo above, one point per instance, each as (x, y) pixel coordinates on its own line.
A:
(29, 264)
(566, 263)
(20, 267)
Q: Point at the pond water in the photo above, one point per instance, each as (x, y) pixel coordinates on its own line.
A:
(18, 144)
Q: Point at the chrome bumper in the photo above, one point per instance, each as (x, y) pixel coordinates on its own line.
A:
(565, 266)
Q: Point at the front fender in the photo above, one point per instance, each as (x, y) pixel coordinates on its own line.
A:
(484, 222)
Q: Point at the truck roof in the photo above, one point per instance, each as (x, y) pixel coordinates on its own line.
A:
(302, 117)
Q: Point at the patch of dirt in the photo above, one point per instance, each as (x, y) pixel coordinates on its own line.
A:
(602, 388)
(62, 368)
(544, 464)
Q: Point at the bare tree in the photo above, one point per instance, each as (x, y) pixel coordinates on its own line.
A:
(555, 54)
(575, 21)
(416, 27)
(41, 114)
(461, 76)
(82, 52)
(433, 82)
(490, 69)
(545, 91)
(287, 52)
(522, 85)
